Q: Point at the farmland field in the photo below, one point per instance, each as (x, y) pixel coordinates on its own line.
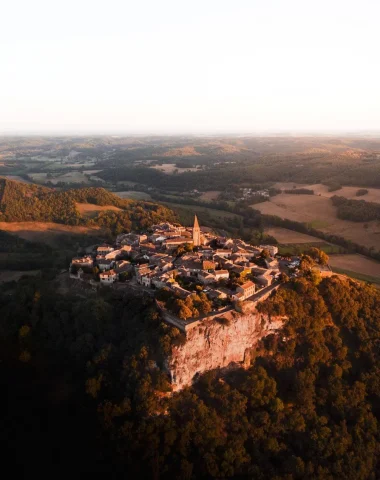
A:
(320, 213)
(299, 248)
(131, 194)
(286, 236)
(356, 263)
(294, 243)
(69, 177)
(210, 195)
(373, 194)
(125, 183)
(91, 172)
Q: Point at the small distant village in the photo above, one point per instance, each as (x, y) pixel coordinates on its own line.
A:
(190, 270)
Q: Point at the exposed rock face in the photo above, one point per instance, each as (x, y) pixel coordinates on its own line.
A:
(217, 342)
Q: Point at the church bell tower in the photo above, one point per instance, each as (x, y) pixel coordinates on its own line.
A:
(196, 233)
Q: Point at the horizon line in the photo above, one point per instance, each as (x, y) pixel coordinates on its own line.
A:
(211, 133)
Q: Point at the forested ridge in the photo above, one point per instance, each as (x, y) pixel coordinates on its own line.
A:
(27, 202)
(91, 389)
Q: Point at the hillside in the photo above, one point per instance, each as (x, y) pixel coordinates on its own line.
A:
(307, 407)
(21, 202)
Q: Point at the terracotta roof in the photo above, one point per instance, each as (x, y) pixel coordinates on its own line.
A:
(107, 274)
(206, 274)
(247, 285)
(190, 264)
(179, 240)
(206, 264)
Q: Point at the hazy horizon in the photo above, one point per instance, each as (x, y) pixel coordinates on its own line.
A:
(202, 68)
(221, 134)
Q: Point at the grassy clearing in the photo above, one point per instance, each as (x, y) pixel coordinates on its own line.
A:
(88, 210)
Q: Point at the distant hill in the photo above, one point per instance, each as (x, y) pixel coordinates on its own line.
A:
(21, 202)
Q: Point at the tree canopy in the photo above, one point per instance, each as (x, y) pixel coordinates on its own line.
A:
(307, 407)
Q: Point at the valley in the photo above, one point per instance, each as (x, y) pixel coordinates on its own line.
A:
(207, 176)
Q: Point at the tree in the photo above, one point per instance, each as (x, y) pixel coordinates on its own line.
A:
(182, 309)
(318, 255)
(203, 304)
(323, 258)
(306, 263)
(283, 278)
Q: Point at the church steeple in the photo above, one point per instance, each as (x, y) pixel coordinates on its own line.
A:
(196, 232)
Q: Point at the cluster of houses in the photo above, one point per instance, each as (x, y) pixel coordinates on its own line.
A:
(167, 253)
(249, 192)
(112, 263)
(244, 194)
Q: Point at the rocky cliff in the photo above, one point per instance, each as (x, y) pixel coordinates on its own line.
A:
(218, 342)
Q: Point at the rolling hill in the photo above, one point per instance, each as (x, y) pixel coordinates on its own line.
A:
(21, 202)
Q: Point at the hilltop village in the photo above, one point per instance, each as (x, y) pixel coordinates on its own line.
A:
(192, 271)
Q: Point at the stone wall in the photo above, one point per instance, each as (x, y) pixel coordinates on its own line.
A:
(218, 342)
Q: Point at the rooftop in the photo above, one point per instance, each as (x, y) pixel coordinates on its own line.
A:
(247, 285)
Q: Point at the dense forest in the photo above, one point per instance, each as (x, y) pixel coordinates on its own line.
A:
(275, 168)
(19, 254)
(24, 202)
(86, 391)
(356, 210)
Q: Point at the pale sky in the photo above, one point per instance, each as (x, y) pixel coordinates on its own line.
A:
(195, 66)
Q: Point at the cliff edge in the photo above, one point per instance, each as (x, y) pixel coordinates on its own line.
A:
(217, 342)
